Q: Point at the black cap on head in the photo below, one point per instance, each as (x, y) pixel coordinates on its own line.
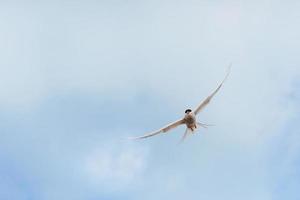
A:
(188, 110)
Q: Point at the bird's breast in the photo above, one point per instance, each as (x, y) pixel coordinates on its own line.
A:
(189, 120)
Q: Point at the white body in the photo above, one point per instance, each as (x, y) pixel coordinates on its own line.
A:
(190, 120)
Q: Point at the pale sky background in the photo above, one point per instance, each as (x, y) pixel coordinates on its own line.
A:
(79, 76)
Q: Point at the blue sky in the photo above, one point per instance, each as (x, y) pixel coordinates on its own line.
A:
(77, 77)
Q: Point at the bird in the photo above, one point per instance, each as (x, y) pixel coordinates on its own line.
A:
(189, 118)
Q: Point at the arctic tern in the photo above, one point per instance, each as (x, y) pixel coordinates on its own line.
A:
(189, 118)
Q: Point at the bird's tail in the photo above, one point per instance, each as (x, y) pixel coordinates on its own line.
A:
(204, 125)
(186, 133)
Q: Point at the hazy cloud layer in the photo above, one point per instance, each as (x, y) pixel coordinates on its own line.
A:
(79, 77)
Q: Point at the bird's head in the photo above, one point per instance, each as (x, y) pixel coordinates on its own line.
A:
(187, 111)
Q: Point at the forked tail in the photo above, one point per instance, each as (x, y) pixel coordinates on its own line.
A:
(186, 133)
(204, 125)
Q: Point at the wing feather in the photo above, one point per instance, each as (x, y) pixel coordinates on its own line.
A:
(208, 99)
(162, 130)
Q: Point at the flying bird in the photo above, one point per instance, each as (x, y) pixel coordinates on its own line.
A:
(189, 118)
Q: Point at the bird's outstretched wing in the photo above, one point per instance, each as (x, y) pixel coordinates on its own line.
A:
(163, 130)
(207, 100)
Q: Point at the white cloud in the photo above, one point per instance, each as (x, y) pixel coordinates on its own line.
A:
(178, 52)
(113, 55)
(116, 166)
